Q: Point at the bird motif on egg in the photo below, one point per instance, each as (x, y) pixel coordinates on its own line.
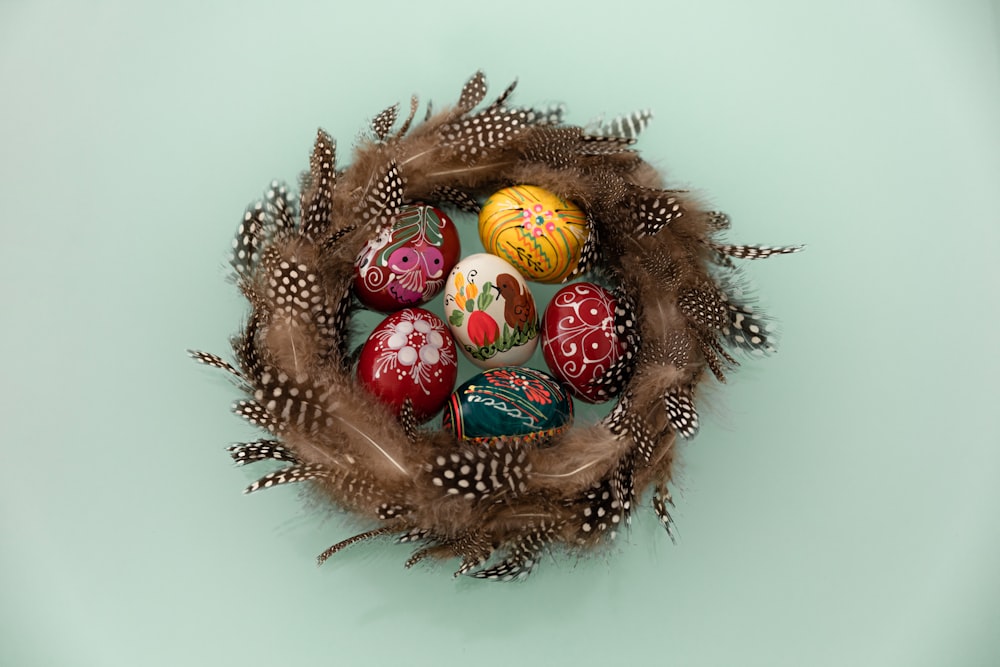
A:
(491, 311)
(406, 264)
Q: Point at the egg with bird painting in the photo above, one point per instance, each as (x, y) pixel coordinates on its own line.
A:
(491, 311)
(406, 264)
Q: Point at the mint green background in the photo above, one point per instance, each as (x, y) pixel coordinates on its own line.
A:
(840, 506)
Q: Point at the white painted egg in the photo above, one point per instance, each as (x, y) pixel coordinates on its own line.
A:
(491, 311)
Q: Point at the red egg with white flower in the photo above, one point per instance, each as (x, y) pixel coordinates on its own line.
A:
(410, 355)
(580, 341)
(406, 264)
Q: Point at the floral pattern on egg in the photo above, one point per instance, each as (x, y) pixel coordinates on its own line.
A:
(508, 401)
(406, 264)
(410, 356)
(540, 233)
(491, 311)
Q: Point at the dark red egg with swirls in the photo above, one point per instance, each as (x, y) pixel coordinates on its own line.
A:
(580, 342)
(407, 264)
(410, 355)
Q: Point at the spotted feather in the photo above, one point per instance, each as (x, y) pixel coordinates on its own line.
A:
(475, 136)
(472, 93)
(554, 146)
(547, 115)
(746, 330)
(260, 450)
(593, 145)
(473, 547)
(317, 209)
(415, 535)
(384, 199)
(216, 362)
(754, 251)
(250, 236)
(653, 210)
(280, 208)
(521, 557)
(623, 484)
(718, 221)
(295, 401)
(289, 475)
(681, 412)
(599, 514)
(297, 294)
(245, 347)
(405, 127)
(625, 422)
(501, 101)
(340, 546)
(661, 499)
(590, 253)
(627, 329)
(499, 466)
(463, 201)
(703, 307)
(387, 511)
(662, 268)
(408, 420)
(255, 413)
(626, 126)
(383, 122)
(712, 352)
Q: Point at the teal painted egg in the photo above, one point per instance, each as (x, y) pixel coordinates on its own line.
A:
(509, 401)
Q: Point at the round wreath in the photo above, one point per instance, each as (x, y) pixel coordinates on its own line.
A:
(495, 505)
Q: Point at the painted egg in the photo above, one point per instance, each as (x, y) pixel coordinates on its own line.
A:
(579, 339)
(538, 232)
(410, 355)
(508, 401)
(491, 311)
(407, 263)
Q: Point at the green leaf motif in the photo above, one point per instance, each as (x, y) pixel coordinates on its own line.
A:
(456, 318)
(509, 338)
(486, 296)
(470, 305)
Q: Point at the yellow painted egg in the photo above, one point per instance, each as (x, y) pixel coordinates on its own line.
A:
(537, 231)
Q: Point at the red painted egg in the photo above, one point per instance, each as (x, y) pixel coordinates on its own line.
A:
(580, 341)
(410, 355)
(406, 265)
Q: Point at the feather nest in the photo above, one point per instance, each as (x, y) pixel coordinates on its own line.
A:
(512, 500)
